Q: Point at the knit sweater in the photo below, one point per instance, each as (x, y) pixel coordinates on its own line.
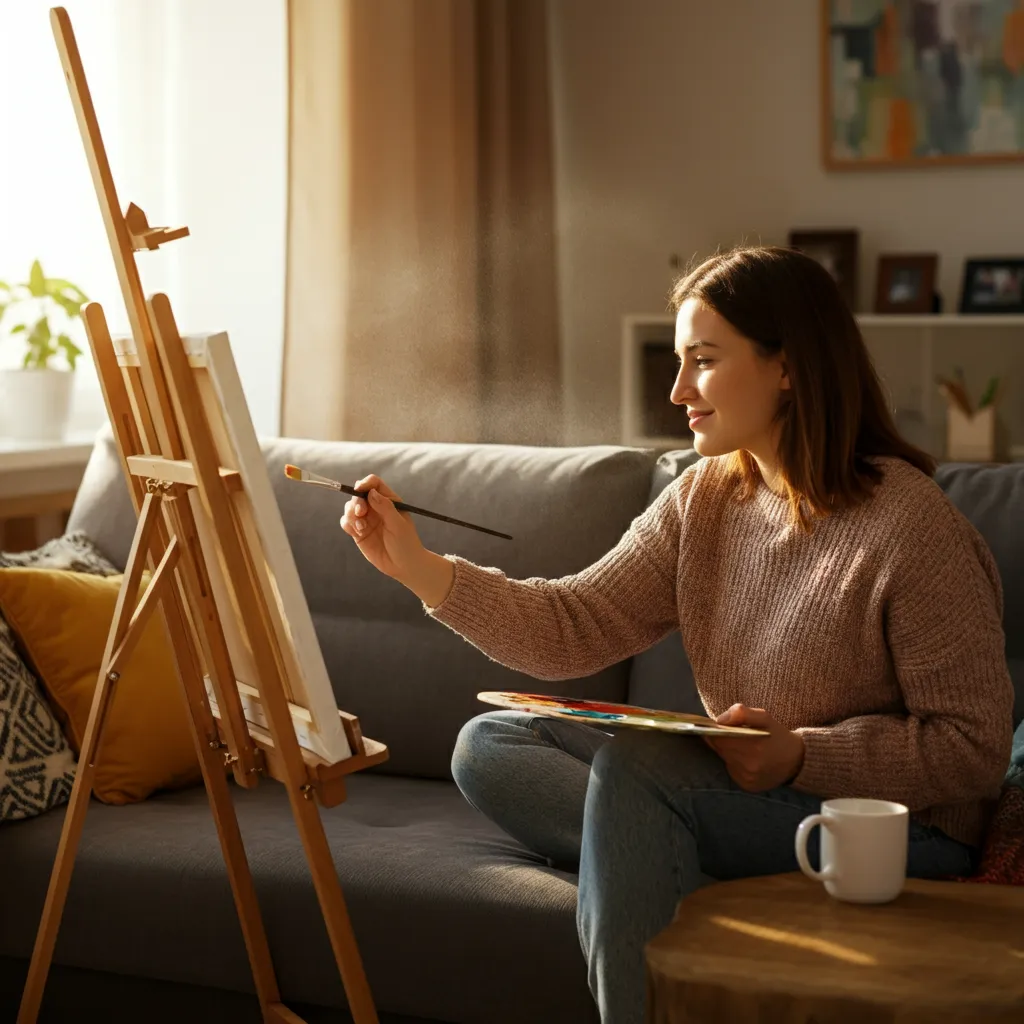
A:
(877, 637)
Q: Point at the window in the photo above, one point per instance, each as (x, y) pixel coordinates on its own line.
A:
(194, 125)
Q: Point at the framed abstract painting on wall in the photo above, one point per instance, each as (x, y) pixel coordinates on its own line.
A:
(911, 83)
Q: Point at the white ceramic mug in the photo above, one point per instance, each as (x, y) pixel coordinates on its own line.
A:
(863, 849)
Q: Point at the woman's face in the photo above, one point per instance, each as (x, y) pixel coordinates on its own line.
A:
(730, 390)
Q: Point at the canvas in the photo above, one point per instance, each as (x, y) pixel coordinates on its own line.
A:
(312, 702)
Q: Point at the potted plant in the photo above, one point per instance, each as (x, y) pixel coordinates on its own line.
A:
(35, 399)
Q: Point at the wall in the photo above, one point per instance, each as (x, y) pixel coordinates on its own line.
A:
(683, 126)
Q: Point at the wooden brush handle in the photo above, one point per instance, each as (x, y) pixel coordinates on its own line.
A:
(403, 507)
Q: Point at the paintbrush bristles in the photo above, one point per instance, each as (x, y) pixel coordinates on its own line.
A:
(306, 477)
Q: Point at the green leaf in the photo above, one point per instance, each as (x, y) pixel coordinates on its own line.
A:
(70, 306)
(57, 285)
(37, 358)
(990, 393)
(71, 350)
(40, 342)
(17, 328)
(40, 332)
(36, 280)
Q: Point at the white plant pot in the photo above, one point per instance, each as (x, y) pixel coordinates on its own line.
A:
(35, 404)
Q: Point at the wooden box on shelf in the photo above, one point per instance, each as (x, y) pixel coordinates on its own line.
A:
(971, 438)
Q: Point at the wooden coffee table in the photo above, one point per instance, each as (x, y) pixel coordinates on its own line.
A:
(779, 948)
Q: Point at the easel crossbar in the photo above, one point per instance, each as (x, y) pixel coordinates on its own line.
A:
(161, 578)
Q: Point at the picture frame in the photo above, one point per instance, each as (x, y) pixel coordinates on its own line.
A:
(912, 83)
(993, 285)
(906, 283)
(837, 250)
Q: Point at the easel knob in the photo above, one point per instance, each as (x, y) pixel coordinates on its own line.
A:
(142, 235)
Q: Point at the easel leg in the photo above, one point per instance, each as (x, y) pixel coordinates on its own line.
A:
(53, 908)
(332, 904)
(81, 790)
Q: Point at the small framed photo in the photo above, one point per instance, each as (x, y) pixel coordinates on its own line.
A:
(994, 285)
(906, 283)
(837, 251)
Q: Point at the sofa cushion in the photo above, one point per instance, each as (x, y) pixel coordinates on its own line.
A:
(62, 620)
(661, 677)
(992, 498)
(1015, 775)
(411, 681)
(455, 921)
(37, 767)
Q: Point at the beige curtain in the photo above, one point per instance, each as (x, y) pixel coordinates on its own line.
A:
(421, 290)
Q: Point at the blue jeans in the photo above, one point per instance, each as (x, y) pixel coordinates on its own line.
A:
(646, 818)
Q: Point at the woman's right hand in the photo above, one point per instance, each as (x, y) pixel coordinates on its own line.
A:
(386, 537)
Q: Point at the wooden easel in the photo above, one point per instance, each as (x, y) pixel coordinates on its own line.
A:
(180, 487)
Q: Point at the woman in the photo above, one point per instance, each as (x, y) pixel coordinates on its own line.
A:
(826, 591)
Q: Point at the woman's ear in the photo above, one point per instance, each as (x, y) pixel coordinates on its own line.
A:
(784, 383)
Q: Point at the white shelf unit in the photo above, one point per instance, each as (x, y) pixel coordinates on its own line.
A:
(908, 351)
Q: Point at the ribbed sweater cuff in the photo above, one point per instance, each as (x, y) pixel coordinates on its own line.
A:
(829, 757)
(472, 599)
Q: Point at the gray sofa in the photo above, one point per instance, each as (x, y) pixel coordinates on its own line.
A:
(456, 922)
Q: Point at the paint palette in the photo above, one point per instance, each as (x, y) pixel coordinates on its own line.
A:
(602, 713)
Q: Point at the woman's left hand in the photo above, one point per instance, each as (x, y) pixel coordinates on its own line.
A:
(757, 763)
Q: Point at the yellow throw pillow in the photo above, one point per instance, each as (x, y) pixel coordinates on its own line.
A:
(62, 620)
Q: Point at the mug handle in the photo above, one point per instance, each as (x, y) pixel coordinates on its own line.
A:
(803, 833)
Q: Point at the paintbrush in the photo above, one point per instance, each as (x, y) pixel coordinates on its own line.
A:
(304, 476)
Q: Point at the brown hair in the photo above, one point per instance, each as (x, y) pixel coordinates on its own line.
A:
(834, 417)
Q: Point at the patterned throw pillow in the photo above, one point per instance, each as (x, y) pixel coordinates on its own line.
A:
(37, 767)
(1002, 853)
(74, 552)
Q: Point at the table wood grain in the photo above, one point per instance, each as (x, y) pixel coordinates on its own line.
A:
(780, 949)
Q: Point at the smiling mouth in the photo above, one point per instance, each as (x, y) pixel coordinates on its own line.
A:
(697, 417)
